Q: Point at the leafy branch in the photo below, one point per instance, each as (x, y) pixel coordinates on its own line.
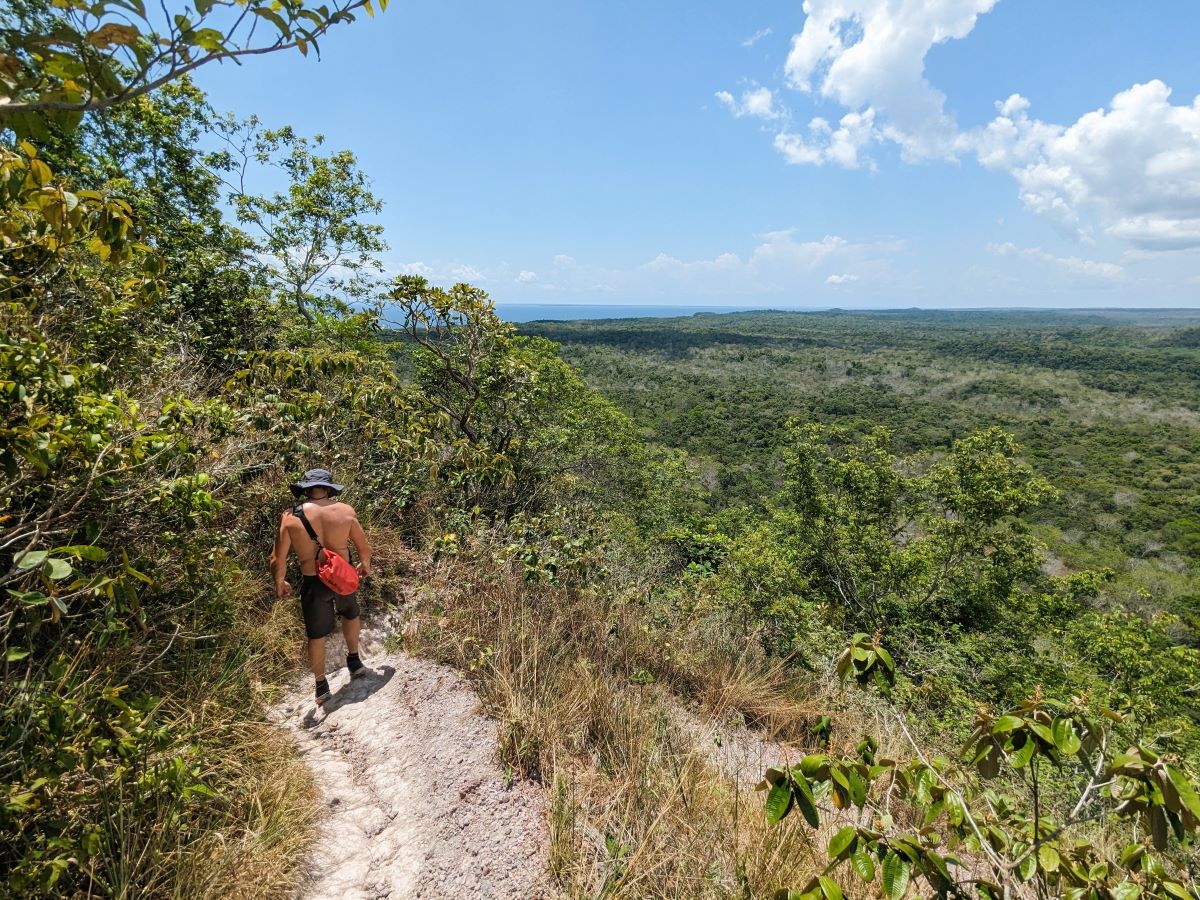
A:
(954, 819)
(92, 55)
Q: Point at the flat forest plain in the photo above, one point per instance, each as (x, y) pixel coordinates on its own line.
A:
(1105, 405)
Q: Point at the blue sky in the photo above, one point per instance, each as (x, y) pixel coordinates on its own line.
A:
(834, 152)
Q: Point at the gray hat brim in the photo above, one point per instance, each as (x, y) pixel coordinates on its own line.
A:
(299, 487)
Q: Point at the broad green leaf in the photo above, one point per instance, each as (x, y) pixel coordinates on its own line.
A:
(14, 654)
(1065, 737)
(30, 558)
(896, 873)
(1126, 890)
(1043, 732)
(858, 790)
(1132, 855)
(863, 865)
(88, 552)
(830, 889)
(954, 809)
(838, 774)
(1176, 823)
(57, 569)
(1028, 867)
(843, 665)
(1187, 794)
(779, 801)
(813, 763)
(843, 842)
(804, 799)
(29, 598)
(1020, 757)
(1005, 724)
(1048, 858)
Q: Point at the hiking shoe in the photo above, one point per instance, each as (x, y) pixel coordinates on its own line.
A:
(355, 665)
(322, 691)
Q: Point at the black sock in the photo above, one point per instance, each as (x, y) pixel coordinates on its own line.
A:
(350, 655)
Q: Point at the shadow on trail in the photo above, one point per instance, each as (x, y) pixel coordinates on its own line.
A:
(355, 690)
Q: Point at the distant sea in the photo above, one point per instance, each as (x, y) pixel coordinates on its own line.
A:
(566, 312)
(531, 312)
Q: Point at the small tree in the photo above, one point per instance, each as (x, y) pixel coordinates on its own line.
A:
(884, 540)
(522, 425)
(322, 253)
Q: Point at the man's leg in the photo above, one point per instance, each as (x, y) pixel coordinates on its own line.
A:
(316, 656)
(350, 628)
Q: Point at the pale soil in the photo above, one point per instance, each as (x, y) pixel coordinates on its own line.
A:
(740, 754)
(416, 804)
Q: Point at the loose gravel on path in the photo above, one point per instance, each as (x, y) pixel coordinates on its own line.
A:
(416, 804)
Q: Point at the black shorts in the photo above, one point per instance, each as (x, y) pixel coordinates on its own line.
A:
(317, 603)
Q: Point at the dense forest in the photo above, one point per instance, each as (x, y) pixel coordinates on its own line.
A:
(945, 565)
(1106, 405)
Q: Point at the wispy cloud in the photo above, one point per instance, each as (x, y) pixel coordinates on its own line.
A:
(1088, 268)
(779, 264)
(756, 37)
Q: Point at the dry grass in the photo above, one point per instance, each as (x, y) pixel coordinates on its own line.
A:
(765, 695)
(638, 806)
(257, 846)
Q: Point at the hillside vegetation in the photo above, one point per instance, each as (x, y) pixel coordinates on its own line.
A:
(943, 568)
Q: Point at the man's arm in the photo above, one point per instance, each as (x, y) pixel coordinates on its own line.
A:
(359, 538)
(279, 556)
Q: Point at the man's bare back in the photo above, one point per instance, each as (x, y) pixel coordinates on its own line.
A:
(335, 523)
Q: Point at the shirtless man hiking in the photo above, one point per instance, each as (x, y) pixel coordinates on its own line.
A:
(336, 524)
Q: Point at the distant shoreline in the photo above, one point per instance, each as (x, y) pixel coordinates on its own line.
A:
(567, 312)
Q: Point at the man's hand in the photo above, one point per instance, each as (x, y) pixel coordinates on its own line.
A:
(364, 569)
(282, 589)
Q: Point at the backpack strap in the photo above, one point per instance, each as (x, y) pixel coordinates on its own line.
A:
(298, 512)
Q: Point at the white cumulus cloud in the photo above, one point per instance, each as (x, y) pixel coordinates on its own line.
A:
(869, 56)
(1135, 166)
(758, 102)
(416, 268)
(1129, 171)
(465, 273)
(841, 279)
(526, 277)
(841, 146)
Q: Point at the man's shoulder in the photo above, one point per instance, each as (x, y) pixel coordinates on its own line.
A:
(337, 509)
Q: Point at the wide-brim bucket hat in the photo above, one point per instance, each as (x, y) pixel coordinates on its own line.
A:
(316, 478)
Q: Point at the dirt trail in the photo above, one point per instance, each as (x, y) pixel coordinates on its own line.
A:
(416, 806)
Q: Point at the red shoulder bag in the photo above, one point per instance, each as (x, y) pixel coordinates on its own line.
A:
(333, 569)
